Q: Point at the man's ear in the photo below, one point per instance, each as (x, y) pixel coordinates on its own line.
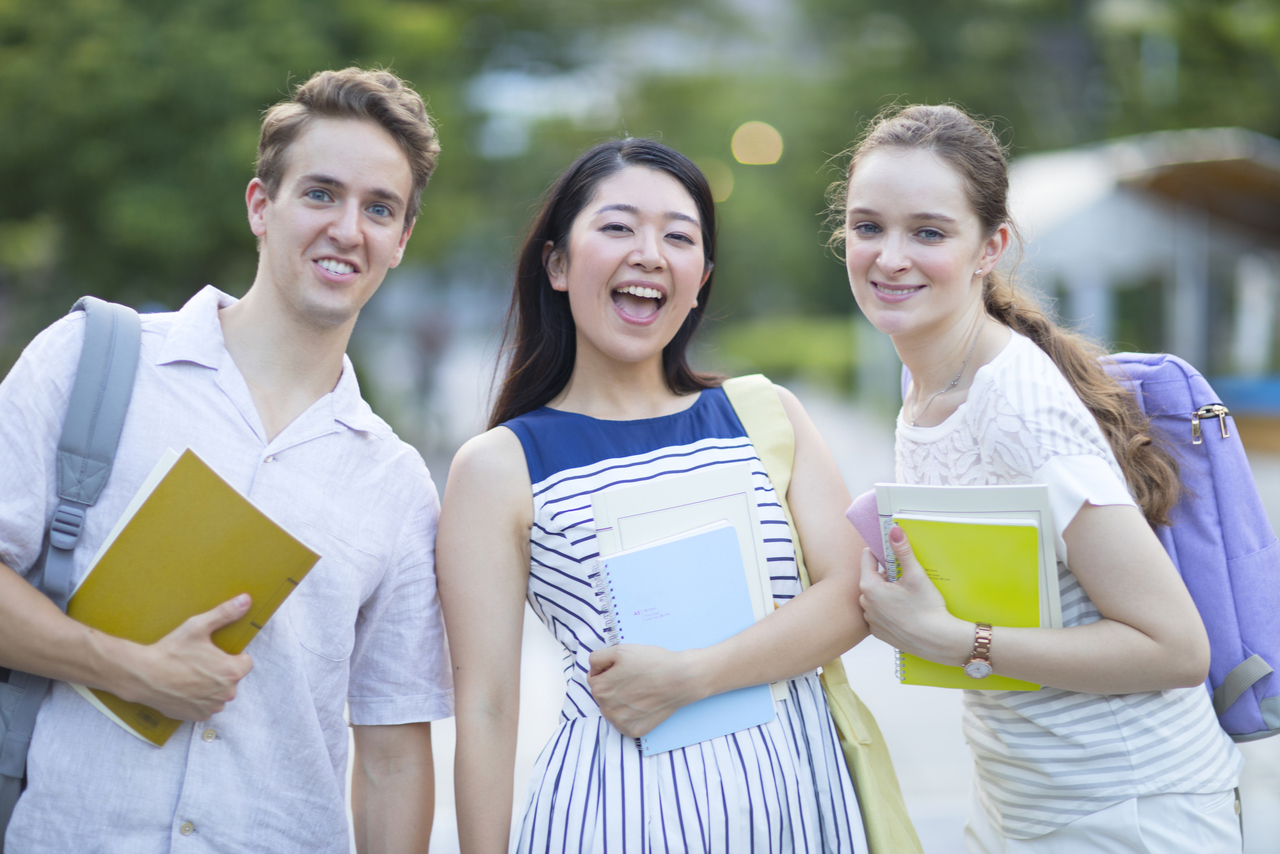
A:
(556, 265)
(255, 199)
(404, 241)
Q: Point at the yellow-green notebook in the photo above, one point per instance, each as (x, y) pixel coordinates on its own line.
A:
(987, 571)
(187, 543)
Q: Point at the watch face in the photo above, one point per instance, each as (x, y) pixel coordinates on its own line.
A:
(977, 669)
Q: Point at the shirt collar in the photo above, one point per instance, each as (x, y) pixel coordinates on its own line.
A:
(196, 336)
(196, 333)
(349, 407)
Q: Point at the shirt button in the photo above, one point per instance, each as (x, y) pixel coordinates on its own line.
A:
(209, 735)
(270, 459)
(187, 828)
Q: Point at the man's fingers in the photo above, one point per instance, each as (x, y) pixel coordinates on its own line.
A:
(243, 664)
(223, 615)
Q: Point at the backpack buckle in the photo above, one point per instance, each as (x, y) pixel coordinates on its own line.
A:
(1212, 410)
(68, 523)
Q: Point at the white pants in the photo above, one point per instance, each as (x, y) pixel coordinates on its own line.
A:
(1155, 824)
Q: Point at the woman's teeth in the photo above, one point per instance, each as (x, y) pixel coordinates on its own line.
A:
(898, 291)
(638, 291)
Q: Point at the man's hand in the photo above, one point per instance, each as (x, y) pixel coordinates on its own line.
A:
(183, 675)
(638, 687)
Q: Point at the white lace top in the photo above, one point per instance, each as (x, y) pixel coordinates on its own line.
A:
(1044, 758)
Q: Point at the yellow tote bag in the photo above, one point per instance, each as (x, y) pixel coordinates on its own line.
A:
(884, 814)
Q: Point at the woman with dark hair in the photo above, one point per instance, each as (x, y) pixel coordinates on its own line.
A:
(1120, 750)
(611, 284)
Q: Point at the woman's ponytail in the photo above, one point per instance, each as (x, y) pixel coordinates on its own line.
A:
(1148, 466)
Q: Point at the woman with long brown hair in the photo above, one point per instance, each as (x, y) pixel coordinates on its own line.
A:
(1120, 751)
(611, 284)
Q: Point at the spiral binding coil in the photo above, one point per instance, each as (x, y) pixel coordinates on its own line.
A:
(899, 665)
(608, 603)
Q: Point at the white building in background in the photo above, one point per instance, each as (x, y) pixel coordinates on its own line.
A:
(1186, 222)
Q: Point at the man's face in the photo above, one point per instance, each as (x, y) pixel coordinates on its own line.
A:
(336, 224)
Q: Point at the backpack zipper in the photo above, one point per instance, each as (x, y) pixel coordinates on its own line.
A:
(1212, 410)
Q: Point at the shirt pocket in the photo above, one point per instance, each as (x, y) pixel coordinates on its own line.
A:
(324, 609)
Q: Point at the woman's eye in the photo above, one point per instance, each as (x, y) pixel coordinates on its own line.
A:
(680, 236)
(864, 229)
(930, 234)
(616, 228)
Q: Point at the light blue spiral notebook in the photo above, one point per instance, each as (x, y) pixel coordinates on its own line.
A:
(685, 592)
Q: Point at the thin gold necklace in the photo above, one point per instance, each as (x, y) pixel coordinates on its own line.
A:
(956, 379)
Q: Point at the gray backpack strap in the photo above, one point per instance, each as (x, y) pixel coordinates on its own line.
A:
(86, 450)
(95, 414)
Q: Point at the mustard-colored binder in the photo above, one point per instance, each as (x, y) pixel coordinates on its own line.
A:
(187, 543)
(987, 571)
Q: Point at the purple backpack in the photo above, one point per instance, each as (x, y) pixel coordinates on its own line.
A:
(1220, 540)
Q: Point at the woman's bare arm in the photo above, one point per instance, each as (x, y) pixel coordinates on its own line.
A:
(482, 565)
(1150, 638)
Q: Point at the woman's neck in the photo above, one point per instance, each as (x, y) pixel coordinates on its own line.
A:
(943, 364)
(612, 390)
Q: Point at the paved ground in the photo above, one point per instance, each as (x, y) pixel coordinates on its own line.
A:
(922, 725)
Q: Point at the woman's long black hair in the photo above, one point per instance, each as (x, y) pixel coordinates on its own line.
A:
(540, 339)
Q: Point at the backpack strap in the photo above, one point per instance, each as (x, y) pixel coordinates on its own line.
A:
(86, 451)
(91, 431)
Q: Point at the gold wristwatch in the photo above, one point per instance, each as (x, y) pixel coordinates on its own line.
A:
(979, 664)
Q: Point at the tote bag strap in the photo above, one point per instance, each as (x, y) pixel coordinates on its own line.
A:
(884, 813)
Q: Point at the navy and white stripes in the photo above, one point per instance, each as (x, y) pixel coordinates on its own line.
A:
(779, 787)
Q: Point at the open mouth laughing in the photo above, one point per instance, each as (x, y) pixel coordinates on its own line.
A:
(638, 302)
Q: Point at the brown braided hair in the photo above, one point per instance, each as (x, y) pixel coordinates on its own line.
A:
(974, 151)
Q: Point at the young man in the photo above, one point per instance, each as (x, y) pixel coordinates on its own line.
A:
(261, 389)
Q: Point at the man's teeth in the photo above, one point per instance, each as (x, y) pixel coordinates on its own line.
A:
(637, 291)
(340, 267)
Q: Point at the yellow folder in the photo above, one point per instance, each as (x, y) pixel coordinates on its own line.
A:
(190, 543)
(987, 571)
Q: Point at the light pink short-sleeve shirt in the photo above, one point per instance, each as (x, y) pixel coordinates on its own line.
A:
(364, 628)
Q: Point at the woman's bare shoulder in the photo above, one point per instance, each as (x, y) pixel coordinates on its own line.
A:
(491, 467)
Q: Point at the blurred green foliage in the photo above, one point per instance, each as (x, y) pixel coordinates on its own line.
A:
(815, 350)
(128, 127)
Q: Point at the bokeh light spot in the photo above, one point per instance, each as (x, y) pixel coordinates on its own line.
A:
(719, 176)
(757, 144)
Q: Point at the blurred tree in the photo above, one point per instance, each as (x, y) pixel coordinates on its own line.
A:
(127, 127)
(128, 130)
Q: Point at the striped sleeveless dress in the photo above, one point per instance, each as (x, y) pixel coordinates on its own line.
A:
(779, 787)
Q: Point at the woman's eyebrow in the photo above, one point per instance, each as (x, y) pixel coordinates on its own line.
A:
(635, 211)
(934, 217)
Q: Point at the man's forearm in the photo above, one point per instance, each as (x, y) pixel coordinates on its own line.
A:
(183, 675)
(393, 788)
(38, 638)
